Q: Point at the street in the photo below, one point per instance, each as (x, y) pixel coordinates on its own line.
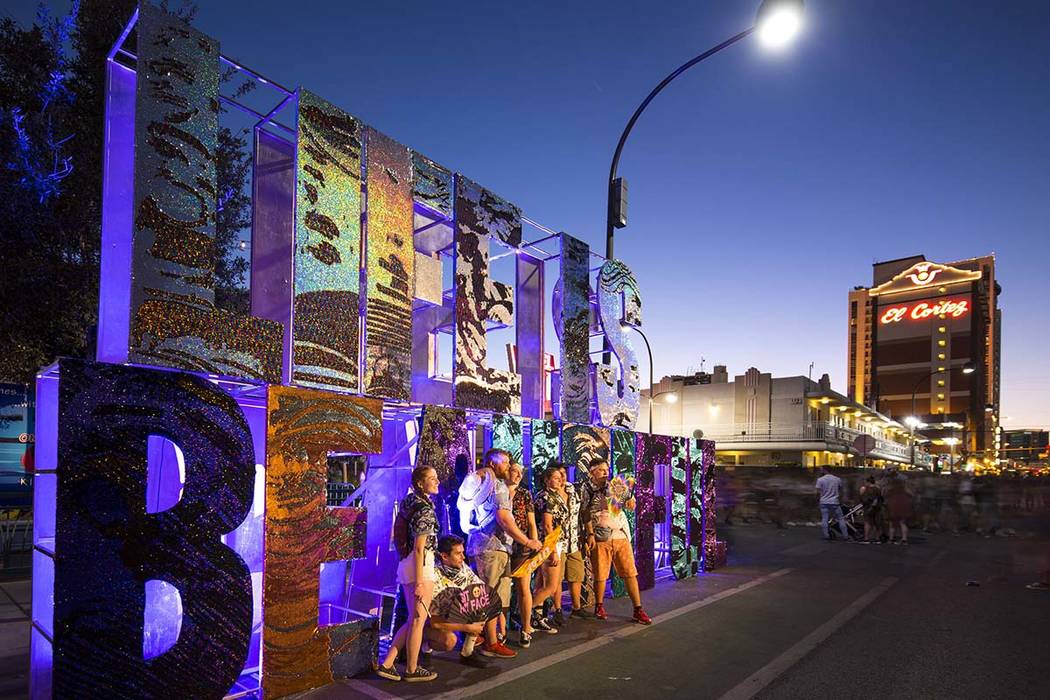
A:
(795, 617)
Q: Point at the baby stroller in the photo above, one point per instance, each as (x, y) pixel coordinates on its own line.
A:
(853, 516)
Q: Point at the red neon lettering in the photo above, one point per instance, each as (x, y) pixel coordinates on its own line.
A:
(956, 308)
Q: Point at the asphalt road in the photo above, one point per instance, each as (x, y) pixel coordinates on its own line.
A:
(789, 617)
(794, 617)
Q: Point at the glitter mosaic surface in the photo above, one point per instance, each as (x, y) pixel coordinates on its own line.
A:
(479, 300)
(696, 502)
(680, 564)
(580, 444)
(572, 325)
(483, 213)
(390, 276)
(108, 545)
(443, 440)
(622, 465)
(431, 184)
(617, 388)
(174, 321)
(714, 550)
(507, 435)
(327, 283)
(545, 449)
(650, 450)
(303, 426)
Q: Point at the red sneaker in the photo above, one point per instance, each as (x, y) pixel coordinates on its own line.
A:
(599, 612)
(498, 650)
(641, 618)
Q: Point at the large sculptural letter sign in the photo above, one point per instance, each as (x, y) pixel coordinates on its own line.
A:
(108, 546)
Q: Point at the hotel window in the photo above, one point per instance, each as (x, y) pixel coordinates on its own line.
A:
(940, 356)
(942, 343)
(942, 329)
(940, 382)
(940, 397)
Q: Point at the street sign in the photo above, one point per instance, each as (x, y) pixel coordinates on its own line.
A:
(864, 444)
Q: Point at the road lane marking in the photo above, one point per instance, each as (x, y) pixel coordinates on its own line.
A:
(771, 671)
(584, 647)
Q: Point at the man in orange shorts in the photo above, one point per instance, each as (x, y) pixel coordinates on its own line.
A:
(608, 540)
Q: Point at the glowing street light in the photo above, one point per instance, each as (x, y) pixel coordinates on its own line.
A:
(779, 22)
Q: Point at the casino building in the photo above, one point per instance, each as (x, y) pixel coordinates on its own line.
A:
(930, 332)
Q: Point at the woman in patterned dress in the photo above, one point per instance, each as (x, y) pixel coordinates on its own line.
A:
(558, 504)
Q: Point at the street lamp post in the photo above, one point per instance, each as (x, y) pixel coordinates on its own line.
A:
(652, 396)
(776, 22)
(913, 419)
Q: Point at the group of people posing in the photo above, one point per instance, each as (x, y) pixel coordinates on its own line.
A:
(450, 603)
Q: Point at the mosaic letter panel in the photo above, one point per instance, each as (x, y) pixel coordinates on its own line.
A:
(174, 321)
(622, 465)
(618, 302)
(479, 301)
(444, 445)
(572, 323)
(680, 564)
(431, 185)
(506, 434)
(545, 444)
(714, 550)
(327, 279)
(650, 450)
(109, 546)
(696, 502)
(580, 445)
(302, 532)
(390, 277)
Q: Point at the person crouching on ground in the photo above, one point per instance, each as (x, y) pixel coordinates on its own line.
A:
(453, 573)
(415, 534)
(485, 515)
(524, 512)
(609, 540)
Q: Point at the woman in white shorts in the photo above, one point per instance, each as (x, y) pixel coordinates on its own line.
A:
(415, 533)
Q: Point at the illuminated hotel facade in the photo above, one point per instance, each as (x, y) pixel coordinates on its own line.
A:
(912, 335)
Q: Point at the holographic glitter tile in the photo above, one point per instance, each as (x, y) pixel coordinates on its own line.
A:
(107, 545)
(302, 532)
(622, 465)
(327, 253)
(545, 444)
(443, 441)
(680, 564)
(714, 554)
(174, 321)
(617, 389)
(483, 213)
(479, 301)
(571, 323)
(696, 503)
(391, 261)
(431, 184)
(580, 445)
(444, 445)
(650, 450)
(506, 434)
(428, 279)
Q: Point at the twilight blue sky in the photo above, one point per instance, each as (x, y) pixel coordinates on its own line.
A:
(762, 187)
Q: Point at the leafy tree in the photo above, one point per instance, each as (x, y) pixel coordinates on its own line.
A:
(52, 96)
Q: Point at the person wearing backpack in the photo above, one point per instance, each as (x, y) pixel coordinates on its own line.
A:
(415, 535)
(485, 515)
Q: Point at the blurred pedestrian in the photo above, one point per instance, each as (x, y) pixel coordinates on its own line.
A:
(900, 507)
(871, 500)
(829, 486)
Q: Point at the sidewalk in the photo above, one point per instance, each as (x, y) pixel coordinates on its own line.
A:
(14, 639)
